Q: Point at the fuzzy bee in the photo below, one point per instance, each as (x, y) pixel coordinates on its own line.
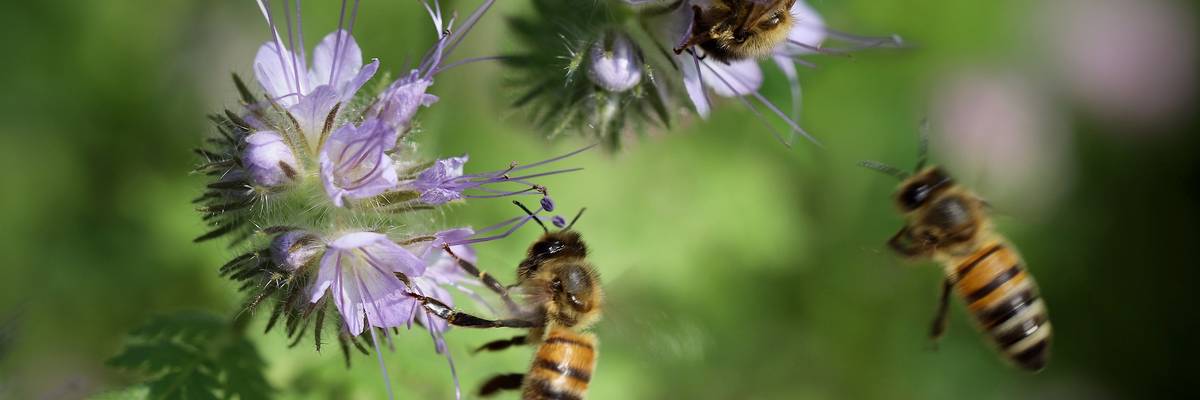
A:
(564, 300)
(950, 224)
(729, 30)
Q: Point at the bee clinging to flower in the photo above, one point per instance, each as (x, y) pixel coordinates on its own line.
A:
(564, 299)
(740, 29)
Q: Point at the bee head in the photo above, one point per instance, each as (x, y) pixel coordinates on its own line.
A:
(564, 243)
(918, 189)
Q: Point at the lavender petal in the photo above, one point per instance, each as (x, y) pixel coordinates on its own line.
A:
(277, 79)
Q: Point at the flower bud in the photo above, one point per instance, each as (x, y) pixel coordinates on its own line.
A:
(558, 221)
(617, 68)
(293, 249)
(268, 160)
(547, 203)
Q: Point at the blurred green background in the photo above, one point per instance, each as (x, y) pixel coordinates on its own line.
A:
(735, 268)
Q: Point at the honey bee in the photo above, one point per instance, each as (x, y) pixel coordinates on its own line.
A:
(730, 30)
(564, 300)
(948, 223)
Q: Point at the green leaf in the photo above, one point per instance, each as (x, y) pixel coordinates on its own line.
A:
(193, 355)
(136, 392)
(243, 371)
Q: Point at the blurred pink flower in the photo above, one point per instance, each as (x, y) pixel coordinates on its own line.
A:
(1130, 61)
(1000, 135)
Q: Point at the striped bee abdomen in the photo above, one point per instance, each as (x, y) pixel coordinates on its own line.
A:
(1004, 299)
(562, 366)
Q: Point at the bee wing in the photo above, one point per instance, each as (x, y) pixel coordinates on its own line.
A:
(638, 320)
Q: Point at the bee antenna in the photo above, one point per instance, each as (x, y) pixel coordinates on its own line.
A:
(580, 214)
(535, 218)
(884, 168)
(922, 144)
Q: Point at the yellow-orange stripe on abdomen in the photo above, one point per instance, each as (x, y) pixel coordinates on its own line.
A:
(1004, 299)
(562, 366)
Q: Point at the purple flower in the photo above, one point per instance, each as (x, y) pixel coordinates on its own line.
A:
(354, 162)
(558, 221)
(436, 183)
(400, 101)
(268, 160)
(310, 94)
(397, 105)
(444, 181)
(359, 270)
(808, 31)
(443, 271)
(293, 249)
(617, 68)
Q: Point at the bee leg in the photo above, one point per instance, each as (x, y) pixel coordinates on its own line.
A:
(459, 318)
(501, 382)
(693, 38)
(904, 244)
(938, 327)
(502, 344)
(486, 278)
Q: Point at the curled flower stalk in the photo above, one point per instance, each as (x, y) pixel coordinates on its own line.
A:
(317, 178)
(619, 67)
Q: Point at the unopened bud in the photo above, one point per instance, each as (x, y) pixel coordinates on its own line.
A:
(293, 249)
(616, 68)
(268, 160)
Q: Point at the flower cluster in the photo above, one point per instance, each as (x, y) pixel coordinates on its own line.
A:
(625, 50)
(319, 177)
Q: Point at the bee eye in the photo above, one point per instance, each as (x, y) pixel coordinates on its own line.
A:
(914, 196)
(774, 20)
(547, 248)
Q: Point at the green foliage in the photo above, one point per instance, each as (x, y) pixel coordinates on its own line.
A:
(137, 392)
(193, 355)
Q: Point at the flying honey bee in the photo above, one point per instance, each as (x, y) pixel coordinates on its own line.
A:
(730, 30)
(564, 300)
(948, 223)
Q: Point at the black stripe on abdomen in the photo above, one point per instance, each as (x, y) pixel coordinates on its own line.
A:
(1021, 330)
(965, 269)
(996, 282)
(1019, 326)
(563, 370)
(1034, 357)
(1007, 308)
